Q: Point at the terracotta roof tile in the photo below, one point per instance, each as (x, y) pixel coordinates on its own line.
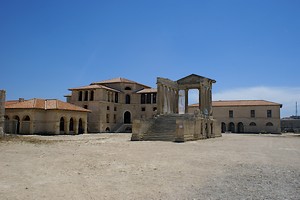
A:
(147, 90)
(45, 104)
(94, 87)
(119, 80)
(242, 103)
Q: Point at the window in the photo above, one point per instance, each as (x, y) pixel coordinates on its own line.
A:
(116, 97)
(92, 96)
(80, 96)
(86, 94)
(107, 118)
(108, 96)
(252, 113)
(107, 108)
(230, 113)
(154, 109)
(148, 98)
(143, 98)
(269, 124)
(71, 125)
(143, 109)
(115, 108)
(269, 113)
(115, 118)
(127, 99)
(252, 124)
(85, 106)
(127, 88)
(154, 98)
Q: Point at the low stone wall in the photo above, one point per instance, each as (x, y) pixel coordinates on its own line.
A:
(188, 128)
(139, 128)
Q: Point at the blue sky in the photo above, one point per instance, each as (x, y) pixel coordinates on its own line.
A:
(252, 48)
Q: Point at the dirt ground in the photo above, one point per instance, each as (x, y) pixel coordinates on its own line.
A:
(110, 166)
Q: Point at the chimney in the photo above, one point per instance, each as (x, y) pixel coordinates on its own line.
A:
(21, 100)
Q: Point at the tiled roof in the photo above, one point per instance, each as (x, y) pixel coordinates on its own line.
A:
(10, 102)
(147, 90)
(242, 103)
(119, 80)
(45, 104)
(94, 87)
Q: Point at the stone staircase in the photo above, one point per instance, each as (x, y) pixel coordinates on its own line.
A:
(124, 128)
(163, 128)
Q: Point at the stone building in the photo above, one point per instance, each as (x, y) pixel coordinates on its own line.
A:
(115, 103)
(44, 116)
(2, 110)
(290, 124)
(170, 124)
(249, 116)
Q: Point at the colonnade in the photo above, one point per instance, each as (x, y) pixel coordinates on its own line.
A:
(168, 99)
(168, 94)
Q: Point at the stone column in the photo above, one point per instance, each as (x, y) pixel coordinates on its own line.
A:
(159, 97)
(199, 100)
(186, 96)
(177, 101)
(2, 110)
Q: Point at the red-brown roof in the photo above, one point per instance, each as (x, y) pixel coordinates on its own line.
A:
(119, 80)
(241, 103)
(94, 87)
(147, 90)
(45, 104)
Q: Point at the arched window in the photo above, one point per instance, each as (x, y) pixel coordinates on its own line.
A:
(16, 124)
(26, 118)
(80, 96)
(252, 124)
(269, 124)
(240, 127)
(92, 95)
(127, 117)
(62, 124)
(127, 88)
(231, 127)
(107, 129)
(71, 125)
(80, 126)
(127, 99)
(223, 127)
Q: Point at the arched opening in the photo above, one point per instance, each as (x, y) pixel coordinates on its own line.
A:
(26, 125)
(128, 130)
(269, 124)
(240, 127)
(16, 125)
(252, 124)
(231, 127)
(62, 125)
(71, 125)
(107, 129)
(127, 117)
(127, 99)
(80, 127)
(6, 124)
(223, 127)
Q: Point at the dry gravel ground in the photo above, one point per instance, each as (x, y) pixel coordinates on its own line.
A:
(109, 166)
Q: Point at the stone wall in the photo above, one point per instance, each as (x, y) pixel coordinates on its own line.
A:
(2, 110)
